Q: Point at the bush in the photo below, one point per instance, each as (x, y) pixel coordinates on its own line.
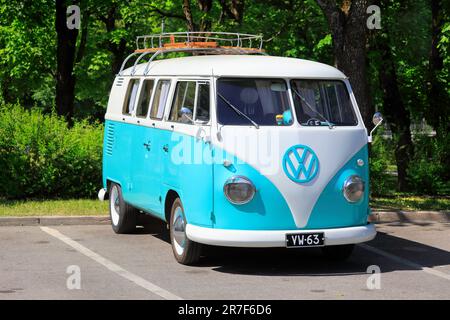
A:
(380, 159)
(429, 170)
(41, 157)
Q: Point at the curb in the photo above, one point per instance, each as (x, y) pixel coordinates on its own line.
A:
(377, 216)
(380, 216)
(54, 221)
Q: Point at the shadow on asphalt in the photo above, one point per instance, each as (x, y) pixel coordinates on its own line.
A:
(308, 261)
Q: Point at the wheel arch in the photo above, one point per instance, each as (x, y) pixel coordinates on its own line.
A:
(108, 186)
(109, 181)
(171, 195)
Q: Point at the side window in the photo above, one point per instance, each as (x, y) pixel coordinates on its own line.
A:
(144, 100)
(202, 112)
(183, 102)
(130, 98)
(159, 101)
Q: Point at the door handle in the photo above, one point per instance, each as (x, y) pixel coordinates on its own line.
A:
(166, 148)
(148, 145)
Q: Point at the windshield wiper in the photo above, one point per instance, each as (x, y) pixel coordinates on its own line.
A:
(312, 109)
(239, 112)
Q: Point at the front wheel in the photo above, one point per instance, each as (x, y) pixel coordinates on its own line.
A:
(185, 251)
(338, 253)
(123, 216)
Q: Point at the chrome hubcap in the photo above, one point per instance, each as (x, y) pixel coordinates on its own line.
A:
(179, 230)
(115, 206)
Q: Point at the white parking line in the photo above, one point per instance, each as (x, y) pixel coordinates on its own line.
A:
(405, 262)
(112, 266)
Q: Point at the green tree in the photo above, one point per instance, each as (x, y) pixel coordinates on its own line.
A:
(27, 53)
(347, 23)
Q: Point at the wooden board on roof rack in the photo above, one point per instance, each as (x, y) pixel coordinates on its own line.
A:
(217, 49)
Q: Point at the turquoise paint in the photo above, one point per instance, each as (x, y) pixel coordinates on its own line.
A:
(267, 211)
(116, 152)
(185, 172)
(295, 171)
(147, 174)
(331, 209)
(146, 169)
(287, 117)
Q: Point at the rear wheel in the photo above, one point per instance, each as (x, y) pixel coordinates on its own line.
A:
(123, 216)
(185, 251)
(338, 253)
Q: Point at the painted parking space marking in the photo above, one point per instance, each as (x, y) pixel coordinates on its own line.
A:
(111, 265)
(409, 263)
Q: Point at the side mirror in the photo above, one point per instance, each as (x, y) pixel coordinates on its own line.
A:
(186, 115)
(377, 119)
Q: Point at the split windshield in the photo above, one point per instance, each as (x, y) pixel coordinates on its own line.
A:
(266, 102)
(322, 103)
(255, 102)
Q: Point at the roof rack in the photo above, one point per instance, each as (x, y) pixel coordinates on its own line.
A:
(199, 42)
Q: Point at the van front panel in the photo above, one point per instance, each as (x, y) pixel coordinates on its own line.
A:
(337, 151)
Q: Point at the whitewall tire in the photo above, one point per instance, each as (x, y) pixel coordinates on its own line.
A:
(123, 216)
(185, 251)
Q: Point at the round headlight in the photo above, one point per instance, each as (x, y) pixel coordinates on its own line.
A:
(353, 188)
(239, 190)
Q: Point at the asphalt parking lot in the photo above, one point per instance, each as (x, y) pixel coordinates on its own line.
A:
(35, 263)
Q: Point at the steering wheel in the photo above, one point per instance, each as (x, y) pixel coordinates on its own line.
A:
(313, 122)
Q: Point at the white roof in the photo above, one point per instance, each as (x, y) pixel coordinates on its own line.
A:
(240, 66)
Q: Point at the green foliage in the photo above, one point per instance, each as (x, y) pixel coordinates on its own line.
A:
(40, 156)
(429, 172)
(407, 28)
(444, 48)
(27, 53)
(291, 28)
(380, 161)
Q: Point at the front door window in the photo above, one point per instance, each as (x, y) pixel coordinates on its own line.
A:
(191, 102)
(159, 101)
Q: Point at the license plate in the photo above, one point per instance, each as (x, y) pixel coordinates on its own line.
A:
(299, 240)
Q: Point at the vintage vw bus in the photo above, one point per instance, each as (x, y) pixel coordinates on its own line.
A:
(232, 147)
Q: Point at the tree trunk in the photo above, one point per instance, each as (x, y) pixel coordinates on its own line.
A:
(65, 57)
(118, 50)
(233, 11)
(348, 30)
(6, 94)
(188, 14)
(438, 113)
(396, 114)
(439, 110)
(205, 22)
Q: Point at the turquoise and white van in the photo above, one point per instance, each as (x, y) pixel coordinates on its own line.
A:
(232, 147)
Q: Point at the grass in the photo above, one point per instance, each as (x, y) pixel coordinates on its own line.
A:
(87, 207)
(391, 199)
(408, 202)
(81, 207)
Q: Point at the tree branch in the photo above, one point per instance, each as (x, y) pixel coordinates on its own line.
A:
(83, 39)
(205, 5)
(329, 7)
(165, 14)
(234, 11)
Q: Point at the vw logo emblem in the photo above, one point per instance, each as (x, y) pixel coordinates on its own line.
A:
(300, 163)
